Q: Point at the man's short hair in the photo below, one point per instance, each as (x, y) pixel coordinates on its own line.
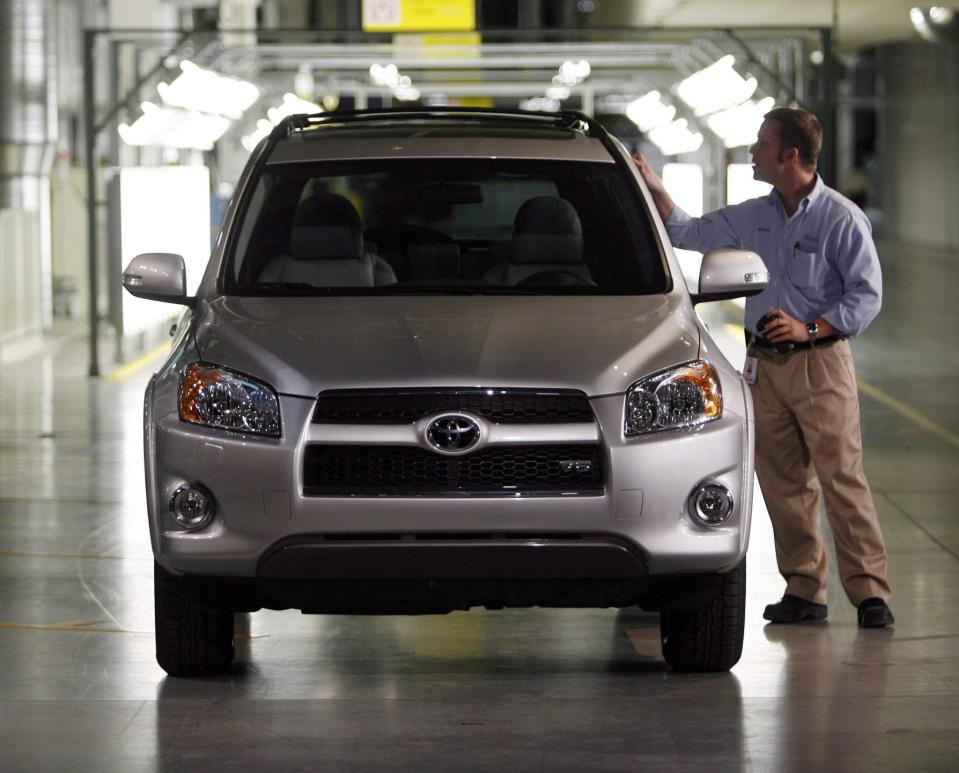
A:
(798, 129)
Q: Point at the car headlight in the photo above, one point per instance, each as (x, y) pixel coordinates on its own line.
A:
(217, 397)
(684, 396)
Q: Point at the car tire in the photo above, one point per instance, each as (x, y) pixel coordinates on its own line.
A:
(191, 640)
(708, 638)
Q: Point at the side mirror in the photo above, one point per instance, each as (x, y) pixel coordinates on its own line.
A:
(730, 274)
(157, 276)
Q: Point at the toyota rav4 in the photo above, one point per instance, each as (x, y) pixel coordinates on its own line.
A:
(442, 359)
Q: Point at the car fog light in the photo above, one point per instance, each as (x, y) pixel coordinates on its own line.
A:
(710, 504)
(192, 506)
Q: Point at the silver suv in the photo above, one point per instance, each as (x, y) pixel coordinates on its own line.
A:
(442, 359)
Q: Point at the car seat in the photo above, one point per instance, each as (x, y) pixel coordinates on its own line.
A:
(547, 236)
(327, 249)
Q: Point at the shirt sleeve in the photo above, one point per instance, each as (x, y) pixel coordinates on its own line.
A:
(857, 262)
(712, 231)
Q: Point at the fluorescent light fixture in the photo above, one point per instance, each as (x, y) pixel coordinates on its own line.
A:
(920, 24)
(406, 93)
(542, 104)
(939, 14)
(173, 128)
(389, 76)
(303, 84)
(737, 126)
(715, 87)
(936, 24)
(291, 105)
(251, 140)
(182, 195)
(740, 184)
(208, 92)
(570, 73)
(675, 138)
(649, 111)
(384, 74)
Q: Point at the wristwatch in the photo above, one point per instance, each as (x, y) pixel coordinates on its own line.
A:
(813, 329)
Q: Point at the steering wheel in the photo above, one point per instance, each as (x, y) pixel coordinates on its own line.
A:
(555, 278)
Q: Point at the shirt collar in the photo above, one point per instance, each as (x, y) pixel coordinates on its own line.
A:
(814, 195)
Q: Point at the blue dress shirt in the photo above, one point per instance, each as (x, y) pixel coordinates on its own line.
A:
(822, 261)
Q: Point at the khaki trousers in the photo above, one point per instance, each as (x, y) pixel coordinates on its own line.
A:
(807, 438)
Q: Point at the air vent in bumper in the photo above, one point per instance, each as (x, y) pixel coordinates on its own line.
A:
(372, 470)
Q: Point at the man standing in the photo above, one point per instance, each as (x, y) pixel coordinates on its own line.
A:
(825, 285)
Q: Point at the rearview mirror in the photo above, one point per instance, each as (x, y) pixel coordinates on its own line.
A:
(157, 276)
(730, 274)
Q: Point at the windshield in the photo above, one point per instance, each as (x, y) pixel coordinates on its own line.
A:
(492, 226)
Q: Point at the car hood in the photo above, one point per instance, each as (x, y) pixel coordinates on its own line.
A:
(303, 345)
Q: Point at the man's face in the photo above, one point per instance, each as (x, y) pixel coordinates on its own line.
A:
(767, 154)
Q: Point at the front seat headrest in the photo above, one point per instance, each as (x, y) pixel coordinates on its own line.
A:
(326, 226)
(547, 230)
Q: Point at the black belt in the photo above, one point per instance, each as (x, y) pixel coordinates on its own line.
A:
(790, 346)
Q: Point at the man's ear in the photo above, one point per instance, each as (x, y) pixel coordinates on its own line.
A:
(790, 154)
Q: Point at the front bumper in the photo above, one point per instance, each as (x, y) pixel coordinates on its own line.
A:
(261, 507)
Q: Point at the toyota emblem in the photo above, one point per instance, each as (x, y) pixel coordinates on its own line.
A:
(453, 433)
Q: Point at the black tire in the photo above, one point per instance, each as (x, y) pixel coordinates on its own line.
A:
(708, 638)
(191, 640)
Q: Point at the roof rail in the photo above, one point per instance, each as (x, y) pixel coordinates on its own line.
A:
(566, 119)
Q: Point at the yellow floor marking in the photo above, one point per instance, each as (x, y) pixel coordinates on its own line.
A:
(81, 627)
(907, 412)
(91, 626)
(33, 554)
(125, 371)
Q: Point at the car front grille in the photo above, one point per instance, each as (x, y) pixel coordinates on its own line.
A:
(372, 470)
(500, 406)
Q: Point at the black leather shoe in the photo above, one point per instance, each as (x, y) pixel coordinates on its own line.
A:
(792, 609)
(874, 613)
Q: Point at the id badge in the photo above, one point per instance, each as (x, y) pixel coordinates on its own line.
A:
(751, 370)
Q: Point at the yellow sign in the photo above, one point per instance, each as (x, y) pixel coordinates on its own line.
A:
(418, 15)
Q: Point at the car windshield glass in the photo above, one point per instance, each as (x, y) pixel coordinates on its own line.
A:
(438, 226)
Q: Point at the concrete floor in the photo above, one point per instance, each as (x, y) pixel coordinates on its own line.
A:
(518, 689)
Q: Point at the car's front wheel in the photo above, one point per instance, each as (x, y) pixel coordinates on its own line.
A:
(191, 640)
(708, 637)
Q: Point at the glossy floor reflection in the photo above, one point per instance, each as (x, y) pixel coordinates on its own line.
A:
(517, 689)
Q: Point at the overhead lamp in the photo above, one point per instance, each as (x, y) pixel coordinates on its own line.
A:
(174, 128)
(921, 24)
(540, 104)
(570, 73)
(738, 125)
(303, 84)
(291, 105)
(406, 93)
(675, 138)
(208, 92)
(937, 23)
(401, 85)
(716, 87)
(384, 74)
(649, 111)
(251, 140)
